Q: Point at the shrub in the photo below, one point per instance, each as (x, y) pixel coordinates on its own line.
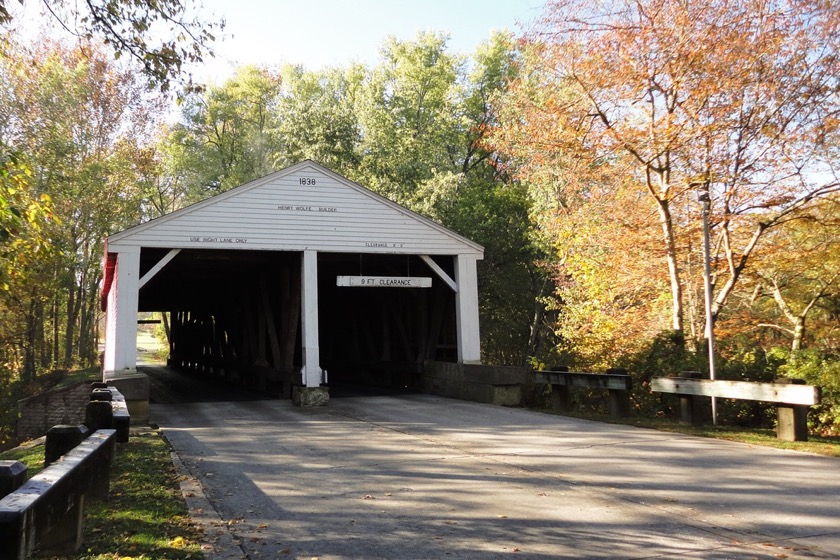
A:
(821, 368)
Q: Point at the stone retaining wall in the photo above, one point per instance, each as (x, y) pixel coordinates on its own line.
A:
(501, 385)
(39, 413)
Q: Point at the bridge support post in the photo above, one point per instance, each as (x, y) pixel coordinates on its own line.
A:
(466, 310)
(313, 392)
(121, 318)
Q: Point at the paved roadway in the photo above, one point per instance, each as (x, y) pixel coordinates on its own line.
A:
(419, 476)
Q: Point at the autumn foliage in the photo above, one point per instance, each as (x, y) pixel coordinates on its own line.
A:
(574, 153)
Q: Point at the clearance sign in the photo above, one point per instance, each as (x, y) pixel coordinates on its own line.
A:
(383, 282)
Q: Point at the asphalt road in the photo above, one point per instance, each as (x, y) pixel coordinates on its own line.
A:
(418, 476)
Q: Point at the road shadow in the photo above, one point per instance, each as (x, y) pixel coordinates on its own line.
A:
(168, 386)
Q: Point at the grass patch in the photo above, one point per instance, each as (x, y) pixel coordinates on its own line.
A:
(819, 445)
(88, 375)
(146, 517)
(31, 455)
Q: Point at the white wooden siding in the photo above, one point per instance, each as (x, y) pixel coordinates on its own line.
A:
(277, 212)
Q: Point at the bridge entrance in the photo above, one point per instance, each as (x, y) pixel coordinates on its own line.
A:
(292, 281)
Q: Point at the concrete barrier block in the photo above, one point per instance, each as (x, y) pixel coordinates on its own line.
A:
(12, 475)
(61, 440)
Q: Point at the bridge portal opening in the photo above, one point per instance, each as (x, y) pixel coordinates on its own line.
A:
(235, 315)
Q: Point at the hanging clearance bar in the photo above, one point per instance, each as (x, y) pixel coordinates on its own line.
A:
(383, 282)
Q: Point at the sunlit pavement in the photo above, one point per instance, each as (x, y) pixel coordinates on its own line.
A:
(418, 476)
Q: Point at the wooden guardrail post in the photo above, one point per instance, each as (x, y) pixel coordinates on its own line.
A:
(560, 394)
(619, 398)
(691, 407)
(791, 419)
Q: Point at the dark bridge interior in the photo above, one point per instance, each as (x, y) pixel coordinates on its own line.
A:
(235, 315)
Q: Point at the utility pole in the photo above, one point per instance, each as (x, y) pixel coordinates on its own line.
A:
(703, 198)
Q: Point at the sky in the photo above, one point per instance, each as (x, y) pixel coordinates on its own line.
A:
(319, 33)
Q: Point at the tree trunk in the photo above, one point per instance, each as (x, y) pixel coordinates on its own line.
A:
(86, 312)
(673, 269)
(29, 369)
(798, 334)
(56, 334)
(70, 329)
(535, 334)
(43, 347)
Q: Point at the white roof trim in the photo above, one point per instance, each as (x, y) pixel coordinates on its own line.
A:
(470, 246)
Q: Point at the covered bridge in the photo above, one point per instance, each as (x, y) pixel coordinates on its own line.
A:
(299, 273)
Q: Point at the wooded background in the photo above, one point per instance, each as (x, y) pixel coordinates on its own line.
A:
(573, 152)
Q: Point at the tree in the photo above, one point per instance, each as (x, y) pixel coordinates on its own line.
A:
(316, 117)
(804, 271)
(736, 99)
(23, 218)
(225, 137)
(408, 116)
(161, 36)
(63, 125)
(76, 114)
